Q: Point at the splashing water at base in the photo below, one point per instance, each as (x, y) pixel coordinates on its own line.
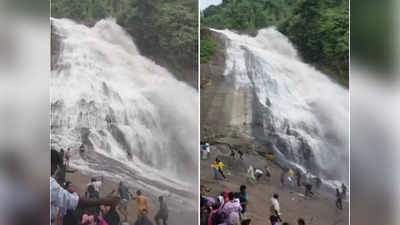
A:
(305, 111)
(133, 115)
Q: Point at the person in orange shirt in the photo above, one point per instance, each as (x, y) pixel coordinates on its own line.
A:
(141, 203)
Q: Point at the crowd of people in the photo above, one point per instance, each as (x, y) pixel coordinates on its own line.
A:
(230, 207)
(95, 208)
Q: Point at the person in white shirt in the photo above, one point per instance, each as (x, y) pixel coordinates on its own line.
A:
(275, 208)
(258, 174)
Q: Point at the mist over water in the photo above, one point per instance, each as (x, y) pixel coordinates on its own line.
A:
(300, 107)
(133, 115)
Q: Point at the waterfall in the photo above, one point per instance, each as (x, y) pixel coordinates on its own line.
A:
(135, 118)
(304, 112)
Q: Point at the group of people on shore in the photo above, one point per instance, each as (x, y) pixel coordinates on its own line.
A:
(69, 208)
(230, 208)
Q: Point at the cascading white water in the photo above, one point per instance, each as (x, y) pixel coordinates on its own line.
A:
(304, 107)
(123, 106)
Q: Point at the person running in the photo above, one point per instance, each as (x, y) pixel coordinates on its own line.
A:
(215, 168)
(123, 192)
(301, 221)
(162, 213)
(275, 207)
(339, 199)
(244, 199)
(221, 168)
(141, 203)
(93, 188)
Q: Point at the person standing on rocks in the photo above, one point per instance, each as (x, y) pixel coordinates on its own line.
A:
(162, 214)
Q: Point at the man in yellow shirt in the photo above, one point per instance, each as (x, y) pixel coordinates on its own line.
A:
(221, 168)
(215, 169)
(141, 203)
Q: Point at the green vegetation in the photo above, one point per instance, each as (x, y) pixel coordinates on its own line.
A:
(318, 28)
(164, 30)
(247, 14)
(207, 47)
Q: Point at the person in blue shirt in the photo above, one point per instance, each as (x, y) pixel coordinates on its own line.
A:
(244, 198)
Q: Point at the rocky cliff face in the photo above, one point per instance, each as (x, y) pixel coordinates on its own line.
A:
(257, 96)
(225, 110)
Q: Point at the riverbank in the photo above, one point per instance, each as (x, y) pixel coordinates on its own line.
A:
(176, 216)
(320, 210)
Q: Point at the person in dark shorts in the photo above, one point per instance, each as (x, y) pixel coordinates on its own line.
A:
(123, 192)
(162, 213)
